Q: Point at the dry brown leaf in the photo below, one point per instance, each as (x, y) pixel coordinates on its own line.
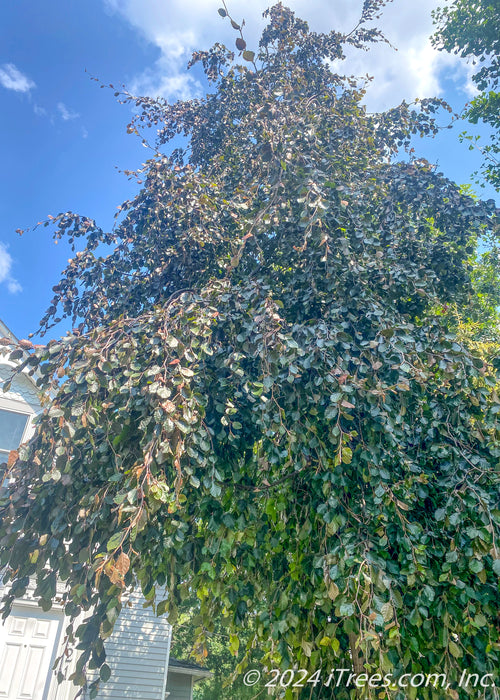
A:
(123, 563)
(13, 457)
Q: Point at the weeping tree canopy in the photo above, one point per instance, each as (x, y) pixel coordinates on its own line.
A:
(260, 402)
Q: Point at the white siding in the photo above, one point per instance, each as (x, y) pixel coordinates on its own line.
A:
(137, 654)
(22, 391)
(22, 397)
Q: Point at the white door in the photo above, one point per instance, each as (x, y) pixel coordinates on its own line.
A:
(27, 650)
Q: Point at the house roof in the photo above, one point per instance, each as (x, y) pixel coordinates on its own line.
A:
(5, 350)
(6, 332)
(188, 667)
(185, 664)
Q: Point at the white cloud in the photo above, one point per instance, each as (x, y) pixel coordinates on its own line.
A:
(412, 71)
(12, 78)
(5, 269)
(157, 82)
(14, 287)
(66, 113)
(39, 111)
(470, 87)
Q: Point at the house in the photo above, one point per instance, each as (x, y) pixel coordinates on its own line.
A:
(30, 640)
(182, 675)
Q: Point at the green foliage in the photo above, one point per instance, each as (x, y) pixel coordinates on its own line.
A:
(217, 650)
(260, 403)
(477, 321)
(471, 28)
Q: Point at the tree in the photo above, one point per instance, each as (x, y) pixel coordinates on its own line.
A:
(260, 402)
(220, 655)
(472, 29)
(477, 321)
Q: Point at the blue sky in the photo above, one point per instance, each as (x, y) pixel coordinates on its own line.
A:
(63, 139)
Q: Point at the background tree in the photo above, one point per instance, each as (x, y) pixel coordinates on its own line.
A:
(260, 402)
(472, 29)
(220, 654)
(476, 322)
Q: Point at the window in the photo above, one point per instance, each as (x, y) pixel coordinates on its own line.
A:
(12, 427)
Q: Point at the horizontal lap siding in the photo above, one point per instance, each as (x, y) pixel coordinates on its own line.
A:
(136, 653)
